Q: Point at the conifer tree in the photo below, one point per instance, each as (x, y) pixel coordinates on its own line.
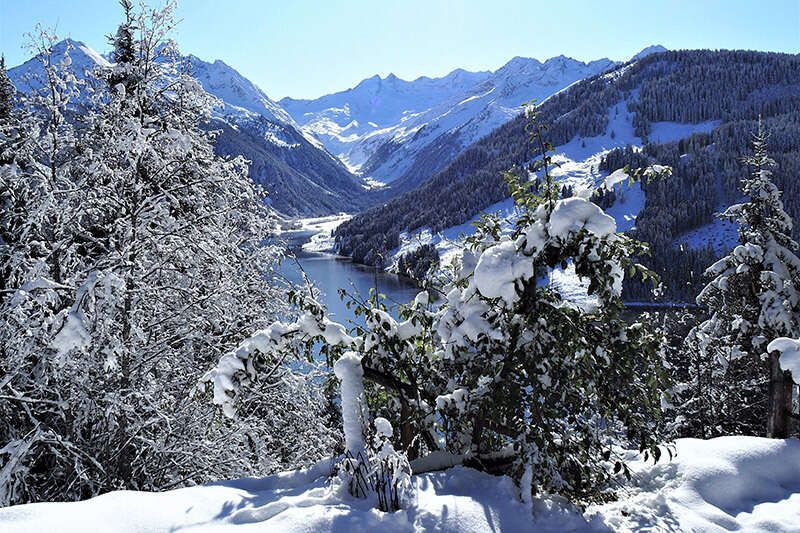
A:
(6, 92)
(123, 52)
(753, 298)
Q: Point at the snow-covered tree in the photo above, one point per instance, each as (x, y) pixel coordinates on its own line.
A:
(6, 91)
(504, 374)
(753, 298)
(133, 257)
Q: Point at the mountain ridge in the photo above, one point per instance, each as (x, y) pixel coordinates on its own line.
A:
(301, 176)
(653, 110)
(403, 143)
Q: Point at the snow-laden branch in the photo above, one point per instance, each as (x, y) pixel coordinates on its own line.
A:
(349, 371)
(236, 366)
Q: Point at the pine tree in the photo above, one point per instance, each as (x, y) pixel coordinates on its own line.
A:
(753, 298)
(124, 53)
(6, 92)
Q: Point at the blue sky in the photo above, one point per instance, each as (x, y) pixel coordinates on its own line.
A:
(305, 48)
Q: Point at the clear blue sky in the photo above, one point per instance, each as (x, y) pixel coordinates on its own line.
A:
(305, 48)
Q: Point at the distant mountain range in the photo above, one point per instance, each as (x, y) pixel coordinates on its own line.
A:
(402, 132)
(301, 177)
(327, 155)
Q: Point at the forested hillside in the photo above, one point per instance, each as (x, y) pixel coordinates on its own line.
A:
(730, 87)
(301, 179)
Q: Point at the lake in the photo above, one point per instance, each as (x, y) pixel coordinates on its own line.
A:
(330, 272)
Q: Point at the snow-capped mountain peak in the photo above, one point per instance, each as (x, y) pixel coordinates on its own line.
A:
(82, 51)
(236, 91)
(28, 76)
(652, 49)
(382, 125)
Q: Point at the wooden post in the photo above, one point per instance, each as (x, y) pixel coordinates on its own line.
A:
(780, 399)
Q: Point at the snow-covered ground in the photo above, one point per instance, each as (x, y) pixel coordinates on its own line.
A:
(664, 132)
(449, 241)
(319, 230)
(725, 484)
(722, 235)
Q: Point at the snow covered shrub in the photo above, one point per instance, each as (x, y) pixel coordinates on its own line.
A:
(373, 467)
(391, 471)
(132, 257)
(753, 298)
(504, 373)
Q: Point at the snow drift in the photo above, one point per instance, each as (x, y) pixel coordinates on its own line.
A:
(724, 484)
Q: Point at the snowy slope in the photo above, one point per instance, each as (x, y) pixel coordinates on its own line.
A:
(725, 484)
(353, 123)
(382, 127)
(652, 49)
(238, 93)
(577, 163)
(577, 167)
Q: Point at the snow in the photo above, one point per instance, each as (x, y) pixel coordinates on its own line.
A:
(652, 49)
(82, 59)
(383, 428)
(574, 290)
(319, 229)
(226, 376)
(724, 484)
(348, 369)
(498, 270)
(629, 203)
(664, 132)
(93, 55)
(574, 214)
(618, 176)
(457, 399)
(790, 355)
(448, 241)
(721, 234)
(236, 91)
(73, 334)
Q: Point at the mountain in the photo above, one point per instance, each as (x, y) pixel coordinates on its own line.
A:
(693, 110)
(28, 76)
(237, 92)
(301, 177)
(402, 132)
(652, 49)
(375, 108)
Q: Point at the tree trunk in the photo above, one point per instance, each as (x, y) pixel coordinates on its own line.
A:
(780, 400)
(406, 430)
